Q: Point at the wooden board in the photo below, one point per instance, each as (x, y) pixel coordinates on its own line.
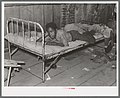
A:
(48, 13)
(38, 14)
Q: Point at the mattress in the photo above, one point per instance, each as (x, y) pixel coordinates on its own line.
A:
(49, 50)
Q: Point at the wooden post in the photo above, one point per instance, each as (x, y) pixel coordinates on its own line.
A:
(43, 16)
(52, 13)
(12, 27)
(17, 29)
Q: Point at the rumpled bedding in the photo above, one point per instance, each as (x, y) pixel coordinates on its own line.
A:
(77, 26)
(104, 30)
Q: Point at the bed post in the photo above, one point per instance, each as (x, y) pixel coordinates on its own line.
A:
(43, 53)
(43, 71)
(43, 58)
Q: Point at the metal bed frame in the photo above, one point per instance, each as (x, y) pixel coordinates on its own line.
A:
(44, 57)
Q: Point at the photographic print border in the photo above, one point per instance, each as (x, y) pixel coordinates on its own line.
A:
(61, 91)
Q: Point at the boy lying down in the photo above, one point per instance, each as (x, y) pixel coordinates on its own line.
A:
(73, 32)
(62, 37)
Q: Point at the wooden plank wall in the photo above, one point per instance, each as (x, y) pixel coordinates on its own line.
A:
(44, 13)
(38, 13)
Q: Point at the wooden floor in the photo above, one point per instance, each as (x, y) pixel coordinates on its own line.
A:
(74, 69)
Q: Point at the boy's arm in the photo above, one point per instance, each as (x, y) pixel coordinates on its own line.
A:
(64, 40)
(58, 43)
(47, 38)
(54, 43)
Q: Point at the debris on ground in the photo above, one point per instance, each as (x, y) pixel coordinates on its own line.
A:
(87, 51)
(72, 77)
(48, 77)
(86, 69)
(99, 56)
(93, 55)
(5, 74)
(90, 49)
(29, 69)
(59, 66)
(113, 66)
(6, 71)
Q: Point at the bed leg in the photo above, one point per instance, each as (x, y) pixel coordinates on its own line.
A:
(43, 72)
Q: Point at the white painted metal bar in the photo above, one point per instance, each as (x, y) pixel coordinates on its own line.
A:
(43, 55)
(9, 76)
(7, 25)
(23, 32)
(35, 34)
(23, 29)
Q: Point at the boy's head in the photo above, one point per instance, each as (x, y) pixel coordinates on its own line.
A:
(51, 29)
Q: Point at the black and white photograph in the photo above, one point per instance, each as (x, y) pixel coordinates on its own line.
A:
(60, 45)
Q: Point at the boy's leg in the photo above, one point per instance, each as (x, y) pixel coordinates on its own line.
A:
(83, 37)
(86, 36)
